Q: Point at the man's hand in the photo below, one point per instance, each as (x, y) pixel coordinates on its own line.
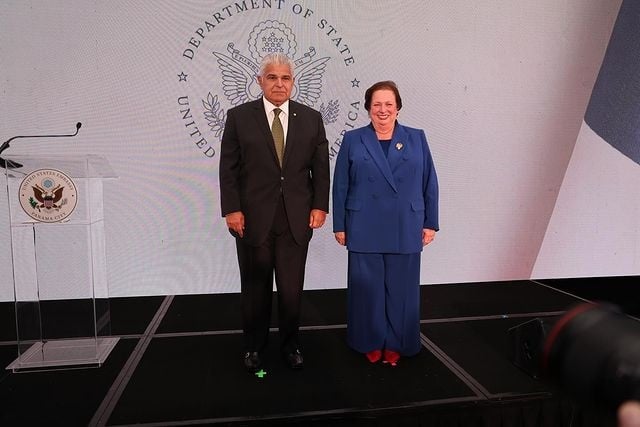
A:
(235, 222)
(341, 237)
(316, 218)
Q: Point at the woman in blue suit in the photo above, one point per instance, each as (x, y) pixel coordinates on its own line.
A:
(385, 210)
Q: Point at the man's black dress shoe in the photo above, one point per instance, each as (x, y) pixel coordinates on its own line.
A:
(295, 359)
(252, 361)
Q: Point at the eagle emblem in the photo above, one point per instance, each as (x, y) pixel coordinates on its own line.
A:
(48, 195)
(47, 199)
(240, 85)
(239, 73)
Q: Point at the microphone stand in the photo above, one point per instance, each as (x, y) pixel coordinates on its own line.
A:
(8, 164)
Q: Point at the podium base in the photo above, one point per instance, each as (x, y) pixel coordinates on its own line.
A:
(64, 354)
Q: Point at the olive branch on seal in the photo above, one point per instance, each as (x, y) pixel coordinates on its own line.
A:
(214, 114)
(330, 112)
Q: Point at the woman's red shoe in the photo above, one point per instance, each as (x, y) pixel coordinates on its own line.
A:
(391, 357)
(374, 356)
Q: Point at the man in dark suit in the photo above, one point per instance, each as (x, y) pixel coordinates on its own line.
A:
(274, 190)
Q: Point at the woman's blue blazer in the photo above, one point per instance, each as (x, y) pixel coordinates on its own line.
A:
(383, 203)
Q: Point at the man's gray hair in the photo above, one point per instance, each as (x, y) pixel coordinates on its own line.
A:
(275, 59)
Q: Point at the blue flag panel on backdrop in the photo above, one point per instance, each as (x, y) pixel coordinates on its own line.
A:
(614, 108)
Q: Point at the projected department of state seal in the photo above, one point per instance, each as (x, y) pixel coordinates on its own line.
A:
(219, 72)
(48, 195)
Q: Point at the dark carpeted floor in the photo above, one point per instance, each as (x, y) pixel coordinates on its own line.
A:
(178, 362)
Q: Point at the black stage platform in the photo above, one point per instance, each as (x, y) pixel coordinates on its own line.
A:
(178, 362)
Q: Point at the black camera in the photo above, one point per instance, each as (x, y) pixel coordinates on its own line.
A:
(592, 352)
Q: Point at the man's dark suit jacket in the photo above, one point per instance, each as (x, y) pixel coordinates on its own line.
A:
(251, 180)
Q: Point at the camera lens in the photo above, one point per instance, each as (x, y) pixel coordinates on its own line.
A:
(593, 353)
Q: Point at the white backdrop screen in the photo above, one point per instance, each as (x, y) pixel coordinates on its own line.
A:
(500, 88)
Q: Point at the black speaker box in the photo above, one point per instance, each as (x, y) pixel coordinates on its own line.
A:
(526, 342)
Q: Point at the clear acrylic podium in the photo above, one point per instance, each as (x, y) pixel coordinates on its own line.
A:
(59, 268)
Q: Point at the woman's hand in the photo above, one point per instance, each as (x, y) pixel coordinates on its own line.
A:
(427, 236)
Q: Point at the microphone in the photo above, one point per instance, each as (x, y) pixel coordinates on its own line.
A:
(8, 164)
